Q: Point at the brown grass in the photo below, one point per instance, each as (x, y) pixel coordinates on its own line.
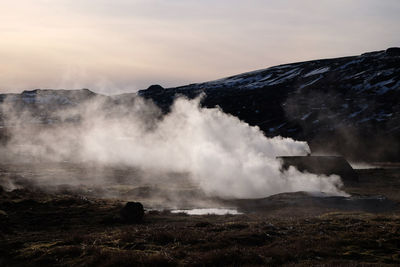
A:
(54, 230)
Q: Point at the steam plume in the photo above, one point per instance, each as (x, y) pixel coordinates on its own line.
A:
(224, 156)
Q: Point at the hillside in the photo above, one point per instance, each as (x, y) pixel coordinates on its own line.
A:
(348, 105)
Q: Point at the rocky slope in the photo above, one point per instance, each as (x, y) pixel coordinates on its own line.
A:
(348, 105)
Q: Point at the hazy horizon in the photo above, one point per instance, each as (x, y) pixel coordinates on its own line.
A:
(125, 45)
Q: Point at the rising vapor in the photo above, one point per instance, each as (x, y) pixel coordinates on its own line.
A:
(224, 156)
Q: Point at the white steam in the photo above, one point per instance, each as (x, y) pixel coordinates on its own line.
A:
(224, 156)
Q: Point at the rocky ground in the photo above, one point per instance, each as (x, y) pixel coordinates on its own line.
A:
(39, 228)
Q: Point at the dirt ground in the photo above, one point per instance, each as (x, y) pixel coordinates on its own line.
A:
(64, 227)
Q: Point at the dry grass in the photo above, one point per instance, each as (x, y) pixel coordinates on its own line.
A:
(57, 230)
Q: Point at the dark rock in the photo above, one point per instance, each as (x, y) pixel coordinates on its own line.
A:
(155, 88)
(133, 212)
(393, 51)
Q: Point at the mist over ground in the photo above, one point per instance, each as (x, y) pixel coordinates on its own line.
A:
(224, 156)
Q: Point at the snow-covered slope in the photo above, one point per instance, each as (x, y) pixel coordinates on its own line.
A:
(346, 103)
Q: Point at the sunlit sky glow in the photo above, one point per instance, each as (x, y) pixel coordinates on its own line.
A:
(115, 46)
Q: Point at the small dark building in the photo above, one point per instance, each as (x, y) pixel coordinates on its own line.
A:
(322, 165)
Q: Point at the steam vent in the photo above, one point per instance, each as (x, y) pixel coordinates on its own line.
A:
(322, 165)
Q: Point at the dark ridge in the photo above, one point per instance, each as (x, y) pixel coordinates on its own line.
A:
(346, 106)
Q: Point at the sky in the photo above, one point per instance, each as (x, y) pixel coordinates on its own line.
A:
(117, 46)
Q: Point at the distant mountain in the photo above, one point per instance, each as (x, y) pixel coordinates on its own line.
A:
(348, 106)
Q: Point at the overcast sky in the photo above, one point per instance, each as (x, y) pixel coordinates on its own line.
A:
(114, 46)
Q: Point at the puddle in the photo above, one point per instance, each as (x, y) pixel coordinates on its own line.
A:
(214, 211)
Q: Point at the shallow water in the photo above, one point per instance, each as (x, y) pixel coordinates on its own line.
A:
(213, 211)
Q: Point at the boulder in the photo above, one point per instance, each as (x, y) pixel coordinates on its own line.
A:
(132, 212)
